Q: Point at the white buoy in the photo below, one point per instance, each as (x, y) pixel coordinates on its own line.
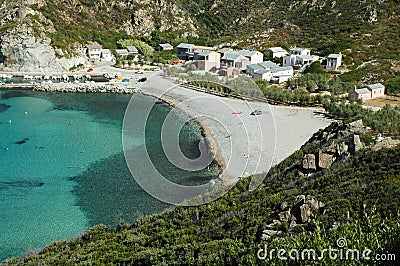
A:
(9, 121)
(26, 113)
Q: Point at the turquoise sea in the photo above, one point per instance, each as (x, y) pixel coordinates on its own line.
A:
(62, 167)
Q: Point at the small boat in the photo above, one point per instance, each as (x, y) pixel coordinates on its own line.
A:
(236, 113)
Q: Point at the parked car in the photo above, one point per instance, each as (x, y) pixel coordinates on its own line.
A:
(156, 69)
(90, 70)
(256, 112)
(142, 79)
(139, 72)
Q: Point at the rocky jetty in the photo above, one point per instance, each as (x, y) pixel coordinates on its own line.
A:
(119, 88)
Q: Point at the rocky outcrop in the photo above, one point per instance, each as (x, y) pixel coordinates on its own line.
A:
(355, 144)
(336, 143)
(163, 15)
(325, 160)
(309, 162)
(303, 209)
(24, 52)
(385, 143)
(24, 44)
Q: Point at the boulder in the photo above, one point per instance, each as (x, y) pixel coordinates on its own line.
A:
(341, 148)
(386, 143)
(305, 213)
(355, 144)
(325, 160)
(309, 162)
(284, 216)
(267, 234)
(304, 208)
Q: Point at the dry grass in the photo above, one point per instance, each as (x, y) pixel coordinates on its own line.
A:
(382, 101)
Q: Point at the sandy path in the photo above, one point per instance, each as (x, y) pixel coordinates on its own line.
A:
(247, 144)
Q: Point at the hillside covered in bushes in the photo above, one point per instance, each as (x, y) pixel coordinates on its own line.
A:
(350, 191)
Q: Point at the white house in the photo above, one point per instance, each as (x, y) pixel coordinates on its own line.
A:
(263, 74)
(278, 52)
(253, 56)
(106, 55)
(377, 90)
(266, 65)
(333, 62)
(298, 57)
(282, 74)
(94, 51)
(363, 94)
(306, 59)
(278, 74)
(368, 92)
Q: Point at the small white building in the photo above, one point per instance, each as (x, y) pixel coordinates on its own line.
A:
(253, 56)
(94, 51)
(333, 62)
(266, 65)
(298, 56)
(264, 74)
(368, 92)
(106, 55)
(377, 90)
(303, 60)
(278, 52)
(278, 74)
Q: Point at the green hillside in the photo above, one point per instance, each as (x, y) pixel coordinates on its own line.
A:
(359, 199)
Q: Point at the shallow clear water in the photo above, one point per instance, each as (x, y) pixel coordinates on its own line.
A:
(62, 168)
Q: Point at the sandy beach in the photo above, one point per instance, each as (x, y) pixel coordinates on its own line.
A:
(244, 144)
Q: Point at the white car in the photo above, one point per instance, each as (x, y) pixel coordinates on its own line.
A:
(139, 72)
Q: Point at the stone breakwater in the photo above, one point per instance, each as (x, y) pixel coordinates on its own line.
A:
(120, 88)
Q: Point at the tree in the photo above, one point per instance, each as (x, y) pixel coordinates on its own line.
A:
(315, 67)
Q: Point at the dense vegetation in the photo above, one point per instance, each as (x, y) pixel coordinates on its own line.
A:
(362, 196)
